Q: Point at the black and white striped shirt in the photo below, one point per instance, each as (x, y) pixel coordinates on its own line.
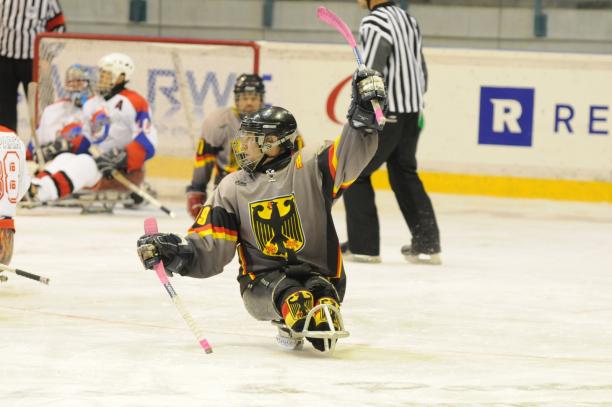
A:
(21, 20)
(391, 42)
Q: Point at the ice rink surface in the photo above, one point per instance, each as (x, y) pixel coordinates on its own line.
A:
(519, 314)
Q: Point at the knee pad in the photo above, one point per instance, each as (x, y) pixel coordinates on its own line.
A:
(259, 297)
(263, 297)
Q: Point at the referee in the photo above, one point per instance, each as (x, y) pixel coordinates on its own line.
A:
(391, 42)
(20, 21)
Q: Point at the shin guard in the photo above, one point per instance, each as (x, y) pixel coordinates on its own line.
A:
(320, 318)
(295, 307)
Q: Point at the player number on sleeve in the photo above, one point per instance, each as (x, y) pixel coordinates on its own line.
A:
(9, 176)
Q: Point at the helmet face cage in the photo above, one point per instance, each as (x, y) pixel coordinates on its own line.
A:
(77, 84)
(247, 149)
(254, 140)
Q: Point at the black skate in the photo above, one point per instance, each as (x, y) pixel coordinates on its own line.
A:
(416, 257)
(355, 257)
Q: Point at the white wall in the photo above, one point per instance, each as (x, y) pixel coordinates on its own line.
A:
(303, 76)
(583, 82)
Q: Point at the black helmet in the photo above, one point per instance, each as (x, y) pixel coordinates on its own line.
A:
(271, 120)
(249, 83)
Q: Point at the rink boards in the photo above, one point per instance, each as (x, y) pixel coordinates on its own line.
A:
(499, 123)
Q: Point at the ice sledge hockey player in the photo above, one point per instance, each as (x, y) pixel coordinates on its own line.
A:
(214, 152)
(15, 182)
(117, 124)
(276, 213)
(61, 123)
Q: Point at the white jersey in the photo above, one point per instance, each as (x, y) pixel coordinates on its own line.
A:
(61, 118)
(116, 122)
(14, 177)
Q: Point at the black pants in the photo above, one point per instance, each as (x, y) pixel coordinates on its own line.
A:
(12, 73)
(397, 147)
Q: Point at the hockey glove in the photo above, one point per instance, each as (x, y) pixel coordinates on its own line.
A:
(175, 252)
(195, 201)
(368, 85)
(114, 159)
(53, 149)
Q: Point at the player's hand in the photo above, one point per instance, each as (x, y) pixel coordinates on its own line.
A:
(175, 252)
(367, 85)
(195, 201)
(114, 159)
(53, 149)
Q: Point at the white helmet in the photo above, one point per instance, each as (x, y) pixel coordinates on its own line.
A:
(117, 64)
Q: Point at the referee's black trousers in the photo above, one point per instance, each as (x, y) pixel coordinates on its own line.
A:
(397, 147)
(12, 73)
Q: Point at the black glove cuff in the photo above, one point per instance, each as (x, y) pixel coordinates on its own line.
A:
(182, 261)
(360, 118)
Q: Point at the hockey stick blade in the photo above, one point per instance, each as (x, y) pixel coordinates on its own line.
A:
(41, 279)
(330, 18)
(119, 177)
(150, 228)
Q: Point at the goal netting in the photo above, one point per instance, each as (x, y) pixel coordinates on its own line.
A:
(182, 79)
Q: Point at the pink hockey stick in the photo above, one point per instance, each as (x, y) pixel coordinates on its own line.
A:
(330, 18)
(150, 228)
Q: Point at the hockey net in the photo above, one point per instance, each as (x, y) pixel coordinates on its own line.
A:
(182, 79)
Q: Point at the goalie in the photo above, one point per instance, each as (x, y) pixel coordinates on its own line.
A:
(15, 182)
(117, 131)
(276, 214)
(61, 123)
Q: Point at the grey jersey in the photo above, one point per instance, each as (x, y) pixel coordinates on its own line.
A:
(280, 217)
(214, 151)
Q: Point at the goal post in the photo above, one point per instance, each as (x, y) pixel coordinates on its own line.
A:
(183, 79)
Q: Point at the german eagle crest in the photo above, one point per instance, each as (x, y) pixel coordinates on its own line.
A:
(277, 227)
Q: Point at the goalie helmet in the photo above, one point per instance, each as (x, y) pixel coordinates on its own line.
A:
(117, 64)
(260, 135)
(78, 84)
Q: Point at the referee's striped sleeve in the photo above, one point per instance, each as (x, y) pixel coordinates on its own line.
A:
(55, 17)
(378, 24)
(22, 20)
(371, 31)
(388, 30)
